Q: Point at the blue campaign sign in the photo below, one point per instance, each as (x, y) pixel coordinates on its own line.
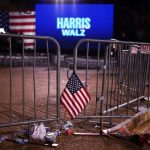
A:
(69, 23)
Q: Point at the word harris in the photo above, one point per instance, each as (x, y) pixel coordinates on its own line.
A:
(73, 26)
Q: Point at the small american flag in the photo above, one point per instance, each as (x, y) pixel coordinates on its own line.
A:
(75, 96)
(19, 22)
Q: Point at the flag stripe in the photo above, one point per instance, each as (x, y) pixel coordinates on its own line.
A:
(70, 107)
(67, 107)
(27, 33)
(80, 97)
(87, 94)
(26, 30)
(70, 104)
(79, 100)
(29, 44)
(24, 23)
(84, 96)
(20, 27)
(66, 103)
(21, 23)
(76, 104)
(22, 20)
(29, 40)
(26, 13)
(29, 47)
(22, 17)
(84, 93)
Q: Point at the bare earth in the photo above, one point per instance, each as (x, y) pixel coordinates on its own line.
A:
(65, 142)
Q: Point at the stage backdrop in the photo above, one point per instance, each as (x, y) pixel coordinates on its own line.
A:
(69, 23)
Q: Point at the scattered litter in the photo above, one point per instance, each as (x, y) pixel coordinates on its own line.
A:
(23, 132)
(2, 139)
(90, 133)
(68, 128)
(69, 131)
(51, 136)
(67, 124)
(136, 129)
(147, 98)
(47, 129)
(141, 109)
(39, 131)
(54, 145)
(21, 141)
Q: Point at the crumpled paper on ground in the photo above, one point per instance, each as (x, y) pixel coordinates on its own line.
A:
(136, 129)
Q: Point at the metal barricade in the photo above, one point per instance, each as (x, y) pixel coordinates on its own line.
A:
(119, 81)
(29, 93)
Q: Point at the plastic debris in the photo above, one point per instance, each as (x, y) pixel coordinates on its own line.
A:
(39, 131)
(21, 141)
(54, 145)
(146, 98)
(47, 129)
(51, 136)
(90, 133)
(68, 127)
(69, 131)
(135, 129)
(2, 138)
(67, 124)
(141, 109)
(24, 132)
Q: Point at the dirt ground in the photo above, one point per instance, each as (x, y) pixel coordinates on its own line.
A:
(65, 142)
(78, 143)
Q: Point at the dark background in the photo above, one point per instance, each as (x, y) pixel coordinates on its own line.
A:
(131, 20)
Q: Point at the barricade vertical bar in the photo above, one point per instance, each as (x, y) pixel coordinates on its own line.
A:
(112, 60)
(103, 94)
(146, 67)
(134, 74)
(119, 76)
(113, 81)
(148, 81)
(10, 80)
(108, 75)
(139, 78)
(48, 63)
(58, 79)
(34, 82)
(87, 66)
(148, 101)
(142, 70)
(116, 81)
(97, 76)
(124, 79)
(23, 81)
(128, 79)
(121, 73)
